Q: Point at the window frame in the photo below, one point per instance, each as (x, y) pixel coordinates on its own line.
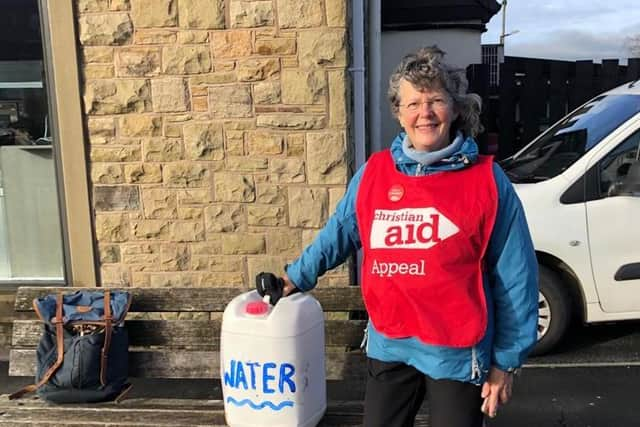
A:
(65, 110)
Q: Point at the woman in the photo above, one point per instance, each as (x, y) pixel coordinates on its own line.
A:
(449, 275)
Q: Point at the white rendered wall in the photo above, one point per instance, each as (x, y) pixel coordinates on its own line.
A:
(463, 47)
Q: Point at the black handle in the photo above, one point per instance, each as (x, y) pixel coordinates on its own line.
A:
(270, 284)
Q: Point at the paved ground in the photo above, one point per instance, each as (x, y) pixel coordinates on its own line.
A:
(592, 381)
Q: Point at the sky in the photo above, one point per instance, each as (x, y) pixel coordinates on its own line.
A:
(567, 29)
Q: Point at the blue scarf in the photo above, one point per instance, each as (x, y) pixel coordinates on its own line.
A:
(427, 158)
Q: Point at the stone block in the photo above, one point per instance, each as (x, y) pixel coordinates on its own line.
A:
(206, 248)
(338, 98)
(270, 194)
(106, 173)
(184, 174)
(113, 29)
(175, 257)
(295, 144)
(215, 78)
(336, 13)
(117, 96)
(186, 59)
(246, 164)
(195, 197)
(265, 143)
(143, 173)
(249, 70)
(137, 125)
(284, 242)
(234, 143)
(285, 121)
(138, 62)
(159, 203)
(115, 275)
(212, 280)
(271, 216)
(154, 13)
(288, 171)
(150, 229)
(324, 47)
(97, 54)
(170, 95)
(203, 141)
(187, 231)
(162, 150)
(231, 44)
(299, 13)
(202, 14)
(266, 92)
(242, 243)
(308, 207)
(224, 218)
(196, 214)
(119, 5)
(193, 37)
(84, 6)
(116, 197)
(275, 46)
(149, 37)
(251, 14)
(98, 126)
(217, 264)
(109, 254)
(303, 86)
(230, 101)
(112, 228)
(327, 160)
(118, 154)
(98, 71)
(230, 187)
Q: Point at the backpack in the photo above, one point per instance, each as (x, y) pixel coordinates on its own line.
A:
(82, 356)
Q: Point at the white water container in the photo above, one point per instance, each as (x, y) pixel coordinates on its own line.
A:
(272, 361)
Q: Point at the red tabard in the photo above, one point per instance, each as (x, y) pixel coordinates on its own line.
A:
(424, 239)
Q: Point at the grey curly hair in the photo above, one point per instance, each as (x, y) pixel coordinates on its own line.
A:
(425, 69)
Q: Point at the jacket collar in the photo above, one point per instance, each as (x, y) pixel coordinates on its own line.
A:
(465, 155)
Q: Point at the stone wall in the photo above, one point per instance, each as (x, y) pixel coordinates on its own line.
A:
(217, 134)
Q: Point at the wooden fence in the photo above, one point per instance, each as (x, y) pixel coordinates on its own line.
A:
(535, 93)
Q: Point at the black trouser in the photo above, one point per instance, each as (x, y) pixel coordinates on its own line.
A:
(395, 392)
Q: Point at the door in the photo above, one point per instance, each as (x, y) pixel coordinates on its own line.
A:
(613, 221)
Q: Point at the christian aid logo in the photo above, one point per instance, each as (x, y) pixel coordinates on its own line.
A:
(419, 228)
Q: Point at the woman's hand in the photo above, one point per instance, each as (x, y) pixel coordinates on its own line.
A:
(496, 391)
(288, 286)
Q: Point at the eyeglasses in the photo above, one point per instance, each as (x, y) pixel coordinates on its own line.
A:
(438, 104)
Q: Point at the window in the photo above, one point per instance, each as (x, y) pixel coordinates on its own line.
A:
(560, 146)
(31, 247)
(619, 171)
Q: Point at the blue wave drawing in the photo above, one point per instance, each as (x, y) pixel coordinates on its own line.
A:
(262, 405)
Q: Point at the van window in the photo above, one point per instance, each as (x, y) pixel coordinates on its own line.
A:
(567, 141)
(619, 171)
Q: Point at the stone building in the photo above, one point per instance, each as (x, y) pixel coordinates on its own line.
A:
(195, 142)
(216, 134)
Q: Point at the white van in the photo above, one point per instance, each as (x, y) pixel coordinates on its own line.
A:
(579, 183)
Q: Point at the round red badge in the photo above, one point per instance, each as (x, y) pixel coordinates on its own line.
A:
(396, 192)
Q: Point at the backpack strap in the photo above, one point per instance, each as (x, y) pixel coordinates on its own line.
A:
(58, 321)
(108, 328)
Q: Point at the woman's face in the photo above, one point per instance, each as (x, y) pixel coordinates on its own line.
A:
(426, 116)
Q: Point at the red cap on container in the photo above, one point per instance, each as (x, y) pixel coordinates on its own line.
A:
(256, 307)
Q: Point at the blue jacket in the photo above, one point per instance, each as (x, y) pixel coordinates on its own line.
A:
(510, 280)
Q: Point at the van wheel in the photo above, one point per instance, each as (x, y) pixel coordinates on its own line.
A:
(554, 311)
